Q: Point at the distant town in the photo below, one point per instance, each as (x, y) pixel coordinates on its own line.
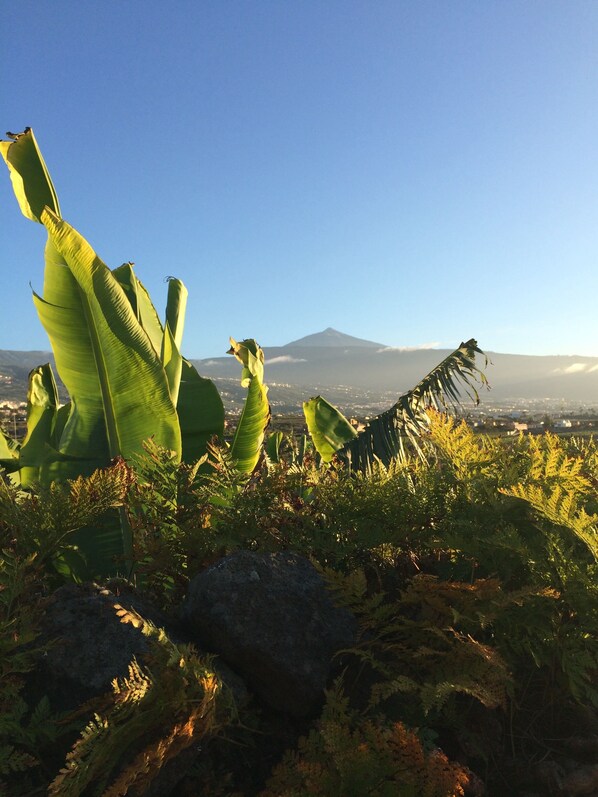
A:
(503, 417)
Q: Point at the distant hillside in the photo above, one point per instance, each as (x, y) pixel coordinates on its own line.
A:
(372, 367)
(14, 371)
(362, 374)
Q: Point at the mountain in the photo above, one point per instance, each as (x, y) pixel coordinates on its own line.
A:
(362, 374)
(333, 338)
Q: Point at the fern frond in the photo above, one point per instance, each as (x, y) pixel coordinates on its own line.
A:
(13, 760)
(561, 508)
(551, 466)
(349, 755)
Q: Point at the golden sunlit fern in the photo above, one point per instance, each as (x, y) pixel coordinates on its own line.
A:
(475, 460)
(550, 464)
(561, 508)
(350, 755)
(152, 715)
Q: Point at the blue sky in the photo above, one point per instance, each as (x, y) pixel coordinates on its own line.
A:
(407, 172)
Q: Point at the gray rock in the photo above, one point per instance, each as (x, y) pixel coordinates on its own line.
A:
(92, 647)
(271, 618)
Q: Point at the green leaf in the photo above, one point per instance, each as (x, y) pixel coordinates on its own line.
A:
(249, 436)
(273, 446)
(125, 276)
(329, 429)
(121, 376)
(385, 436)
(176, 305)
(9, 453)
(42, 406)
(29, 175)
(251, 357)
(62, 315)
(141, 304)
(255, 417)
(200, 410)
(172, 363)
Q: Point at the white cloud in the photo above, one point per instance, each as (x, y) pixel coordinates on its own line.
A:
(207, 363)
(575, 368)
(285, 358)
(419, 347)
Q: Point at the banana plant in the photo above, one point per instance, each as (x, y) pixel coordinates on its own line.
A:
(123, 369)
(385, 437)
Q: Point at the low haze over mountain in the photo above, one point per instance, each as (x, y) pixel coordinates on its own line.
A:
(369, 371)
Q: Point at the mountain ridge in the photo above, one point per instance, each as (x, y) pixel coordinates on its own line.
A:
(362, 368)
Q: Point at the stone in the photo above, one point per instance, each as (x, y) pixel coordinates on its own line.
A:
(90, 647)
(271, 618)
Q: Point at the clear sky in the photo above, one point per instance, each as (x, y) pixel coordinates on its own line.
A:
(409, 172)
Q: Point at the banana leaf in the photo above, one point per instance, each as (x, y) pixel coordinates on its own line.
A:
(328, 427)
(119, 389)
(386, 436)
(9, 453)
(176, 305)
(121, 374)
(42, 406)
(273, 445)
(200, 411)
(172, 362)
(29, 174)
(164, 341)
(141, 304)
(251, 357)
(255, 416)
(170, 353)
(198, 402)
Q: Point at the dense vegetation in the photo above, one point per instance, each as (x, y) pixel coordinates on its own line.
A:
(469, 563)
(473, 576)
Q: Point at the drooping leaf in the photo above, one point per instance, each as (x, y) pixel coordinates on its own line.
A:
(328, 427)
(29, 175)
(251, 357)
(386, 435)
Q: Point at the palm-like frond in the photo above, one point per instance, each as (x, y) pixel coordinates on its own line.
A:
(384, 437)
